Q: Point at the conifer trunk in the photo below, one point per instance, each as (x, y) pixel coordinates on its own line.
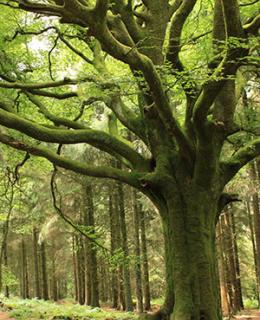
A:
(126, 271)
(36, 264)
(256, 220)
(138, 271)
(145, 265)
(45, 291)
(114, 244)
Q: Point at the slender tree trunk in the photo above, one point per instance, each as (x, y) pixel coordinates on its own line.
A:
(36, 264)
(114, 244)
(237, 264)
(80, 270)
(54, 288)
(250, 222)
(25, 286)
(126, 271)
(225, 303)
(45, 292)
(138, 271)
(7, 293)
(145, 265)
(74, 262)
(92, 247)
(256, 219)
(233, 282)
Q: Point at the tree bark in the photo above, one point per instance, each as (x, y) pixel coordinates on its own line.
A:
(36, 264)
(145, 264)
(250, 222)
(45, 291)
(189, 228)
(256, 219)
(126, 271)
(225, 303)
(25, 280)
(114, 244)
(92, 247)
(138, 270)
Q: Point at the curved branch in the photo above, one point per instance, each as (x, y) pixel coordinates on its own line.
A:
(47, 9)
(44, 85)
(75, 166)
(244, 155)
(59, 96)
(253, 26)
(55, 119)
(98, 139)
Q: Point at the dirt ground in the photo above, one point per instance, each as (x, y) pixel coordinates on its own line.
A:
(248, 315)
(4, 316)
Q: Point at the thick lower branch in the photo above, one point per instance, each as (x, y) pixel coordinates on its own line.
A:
(75, 166)
(98, 139)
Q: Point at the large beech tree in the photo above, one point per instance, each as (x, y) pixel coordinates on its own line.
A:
(189, 162)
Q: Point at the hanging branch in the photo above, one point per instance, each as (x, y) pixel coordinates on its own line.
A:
(58, 209)
(49, 57)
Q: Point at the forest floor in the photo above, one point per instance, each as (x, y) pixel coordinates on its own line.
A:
(18, 309)
(5, 316)
(248, 315)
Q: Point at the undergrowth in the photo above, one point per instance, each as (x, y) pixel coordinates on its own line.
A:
(39, 309)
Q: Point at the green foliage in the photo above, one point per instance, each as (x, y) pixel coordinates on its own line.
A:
(38, 309)
(9, 279)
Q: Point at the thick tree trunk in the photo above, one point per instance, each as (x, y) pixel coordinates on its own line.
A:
(189, 229)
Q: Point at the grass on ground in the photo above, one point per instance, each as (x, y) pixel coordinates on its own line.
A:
(39, 309)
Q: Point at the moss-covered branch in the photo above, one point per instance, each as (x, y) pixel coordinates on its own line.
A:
(58, 121)
(244, 155)
(228, 65)
(98, 139)
(45, 85)
(75, 166)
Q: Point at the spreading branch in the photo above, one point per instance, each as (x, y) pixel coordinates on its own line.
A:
(75, 166)
(98, 139)
(244, 155)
